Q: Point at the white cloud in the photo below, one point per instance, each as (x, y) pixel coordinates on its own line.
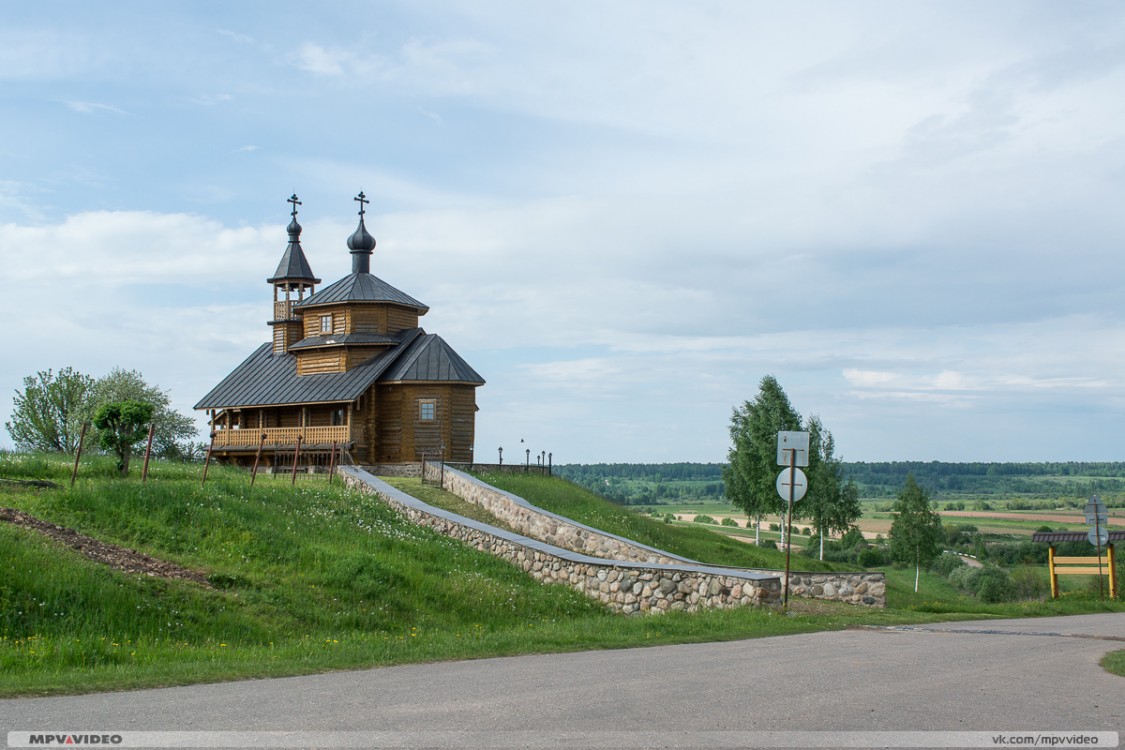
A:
(87, 108)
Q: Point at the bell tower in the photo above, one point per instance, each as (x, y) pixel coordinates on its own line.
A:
(290, 282)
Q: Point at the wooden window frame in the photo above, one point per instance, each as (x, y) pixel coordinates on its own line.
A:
(427, 405)
(326, 320)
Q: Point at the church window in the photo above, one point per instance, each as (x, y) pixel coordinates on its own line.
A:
(326, 324)
(427, 409)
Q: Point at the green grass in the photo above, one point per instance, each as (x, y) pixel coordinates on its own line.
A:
(703, 542)
(1114, 662)
(305, 579)
(439, 498)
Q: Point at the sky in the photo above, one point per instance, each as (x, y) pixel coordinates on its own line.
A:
(623, 215)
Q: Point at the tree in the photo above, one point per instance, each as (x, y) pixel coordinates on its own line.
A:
(916, 532)
(48, 414)
(174, 431)
(831, 503)
(121, 425)
(751, 472)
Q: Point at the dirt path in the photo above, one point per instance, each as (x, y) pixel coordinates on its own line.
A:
(1075, 516)
(121, 558)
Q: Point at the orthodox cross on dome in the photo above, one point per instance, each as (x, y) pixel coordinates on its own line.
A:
(362, 200)
(295, 202)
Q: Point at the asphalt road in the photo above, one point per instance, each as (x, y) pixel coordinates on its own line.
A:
(1014, 675)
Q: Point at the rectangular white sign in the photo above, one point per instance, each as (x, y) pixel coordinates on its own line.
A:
(793, 444)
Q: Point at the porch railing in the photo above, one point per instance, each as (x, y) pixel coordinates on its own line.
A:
(249, 437)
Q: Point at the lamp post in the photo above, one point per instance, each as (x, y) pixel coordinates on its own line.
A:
(500, 450)
(527, 460)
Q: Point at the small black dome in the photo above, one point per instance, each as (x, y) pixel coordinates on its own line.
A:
(361, 241)
(294, 229)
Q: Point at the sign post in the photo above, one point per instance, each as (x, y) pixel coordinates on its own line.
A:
(1097, 517)
(792, 451)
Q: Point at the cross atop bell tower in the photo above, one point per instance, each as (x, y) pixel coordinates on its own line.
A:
(293, 274)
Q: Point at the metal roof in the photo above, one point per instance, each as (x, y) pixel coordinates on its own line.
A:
(268, 379)
(361, 287)
(430, 359)
(294, 266)
(312, 342)
(1072, 536)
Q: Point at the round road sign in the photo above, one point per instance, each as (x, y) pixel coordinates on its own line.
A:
(1098, 539)
(800, 484)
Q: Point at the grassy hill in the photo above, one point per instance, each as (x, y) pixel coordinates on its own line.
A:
(302, 579)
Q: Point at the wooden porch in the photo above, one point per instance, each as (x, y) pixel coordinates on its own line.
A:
(251, 437)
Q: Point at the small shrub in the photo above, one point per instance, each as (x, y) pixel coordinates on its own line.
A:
(703, 519)
(872, 557)
(853, 537)
(728, 521)
(774, 527)
(993, 584)
(963, 577)
(947, 563)
(1028, 584)
(767, 543)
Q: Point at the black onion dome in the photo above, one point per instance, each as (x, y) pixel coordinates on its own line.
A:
(361, 240)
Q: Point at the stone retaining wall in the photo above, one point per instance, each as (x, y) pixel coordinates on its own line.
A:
(411, 470)
(545, 526)
(626, 587)
(854, 588)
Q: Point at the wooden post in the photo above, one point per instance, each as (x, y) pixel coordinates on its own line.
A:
(257, 458)
(1113, 589)
(296, 455)
(332, 463)
(207, 461)
(1052, 573)
(148, 452)
(78, 453)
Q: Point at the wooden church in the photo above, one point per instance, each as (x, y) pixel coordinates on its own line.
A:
(348, 367)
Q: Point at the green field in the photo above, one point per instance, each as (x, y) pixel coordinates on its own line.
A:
(313, 578)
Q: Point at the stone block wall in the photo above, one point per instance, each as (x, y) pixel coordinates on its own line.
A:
(626, 587)
(546, 526)
(854, 588)
(410, 470)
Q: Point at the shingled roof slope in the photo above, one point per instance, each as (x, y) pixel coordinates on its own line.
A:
(268, 379)
(361, 287)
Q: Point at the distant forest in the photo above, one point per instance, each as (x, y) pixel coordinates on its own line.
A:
(649, 484)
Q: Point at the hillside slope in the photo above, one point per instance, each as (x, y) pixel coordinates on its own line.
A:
(707, 545)
(302, 579)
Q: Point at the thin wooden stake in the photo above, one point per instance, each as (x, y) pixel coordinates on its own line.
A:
(257, 458)
(148, 452)
(207, 461)
(296, 455)
(78, 454)
(332, 463)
